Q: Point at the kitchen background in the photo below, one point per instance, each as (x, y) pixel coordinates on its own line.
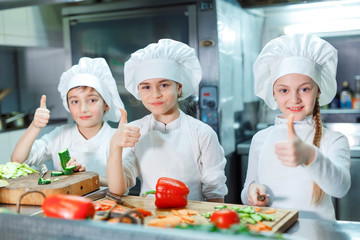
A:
(39, 41)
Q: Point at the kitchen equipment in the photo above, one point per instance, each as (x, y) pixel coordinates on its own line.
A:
(283, 218)
(119, 200)
(80, 183)
(104, 215)
(43, 170)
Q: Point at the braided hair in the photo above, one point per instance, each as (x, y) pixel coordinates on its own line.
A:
(318, 193)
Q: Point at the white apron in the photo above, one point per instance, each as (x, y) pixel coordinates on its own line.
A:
(169, 153)
(282, 180)
(92, 157)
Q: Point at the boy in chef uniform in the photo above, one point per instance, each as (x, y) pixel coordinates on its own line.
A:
(90, 94)
(167, 142)
(297, 164)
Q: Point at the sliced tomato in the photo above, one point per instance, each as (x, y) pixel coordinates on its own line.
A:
(224, 218)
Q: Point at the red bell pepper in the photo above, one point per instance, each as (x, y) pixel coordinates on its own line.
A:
(68, 207)
(170, 193)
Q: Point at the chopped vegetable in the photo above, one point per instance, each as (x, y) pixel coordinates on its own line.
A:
(175, 218)
(269, 211)
(106, 204)
(267, 217)
(221, 207)
(247, 215)
(224, 218)
(259, 227)
(3, 183)
(170, 193)
(72, 167)
(56, 174)
(15, 169)
(55, 180)
(64, 157)
(258, 209)
(42, 181)
(68, 207)
(256, 217)
(67, 172)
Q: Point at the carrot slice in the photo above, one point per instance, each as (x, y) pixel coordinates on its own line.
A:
(144, 212)
(269, 211)
(258, 209)
(264, 227)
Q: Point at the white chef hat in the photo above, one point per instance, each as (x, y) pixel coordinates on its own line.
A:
(299, 53)
(95, 73)
(168, 59)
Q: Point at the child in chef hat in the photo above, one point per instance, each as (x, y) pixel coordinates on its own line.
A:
(296, 163)
(167, 142)
(90, 94)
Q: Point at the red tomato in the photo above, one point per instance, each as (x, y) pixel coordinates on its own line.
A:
(224, 218)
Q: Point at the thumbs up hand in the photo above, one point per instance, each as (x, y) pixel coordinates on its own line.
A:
(126, 135)
(294, 151)
(42, 114)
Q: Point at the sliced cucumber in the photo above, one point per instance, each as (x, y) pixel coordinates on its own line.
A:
(42, 181)
(72, 167)
(68, 172)
(64, 157)
(56, 173)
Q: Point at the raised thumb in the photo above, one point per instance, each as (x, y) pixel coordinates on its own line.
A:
(123, 118)
(43, 101)
(290, 127)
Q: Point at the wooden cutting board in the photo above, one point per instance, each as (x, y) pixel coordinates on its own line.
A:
(80, 183)
(283, 218)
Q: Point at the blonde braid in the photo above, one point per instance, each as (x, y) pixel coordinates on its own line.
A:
(318, 193)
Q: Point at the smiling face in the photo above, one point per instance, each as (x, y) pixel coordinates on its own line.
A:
(87, 108)
(296, 95)
(160, 97)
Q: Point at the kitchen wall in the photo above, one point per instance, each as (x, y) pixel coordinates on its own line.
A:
(32, 58)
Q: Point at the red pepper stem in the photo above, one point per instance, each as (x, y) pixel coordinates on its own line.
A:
(148, 192)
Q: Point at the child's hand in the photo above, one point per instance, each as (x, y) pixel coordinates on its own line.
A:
(73, 162)
(126, 135)
(42, 114)
(294, 152)
(255, 190)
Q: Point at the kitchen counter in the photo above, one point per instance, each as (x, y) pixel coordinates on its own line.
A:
(31, 225)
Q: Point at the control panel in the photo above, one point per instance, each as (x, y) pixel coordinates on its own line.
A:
(209, 106)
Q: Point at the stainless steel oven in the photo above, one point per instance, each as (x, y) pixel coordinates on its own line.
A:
(115, 30)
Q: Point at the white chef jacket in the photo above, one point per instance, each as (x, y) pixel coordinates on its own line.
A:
(185, 149)
(291, 187)
(91, 152)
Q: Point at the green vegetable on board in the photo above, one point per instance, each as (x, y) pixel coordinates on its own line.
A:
(56, 173)
(42, 181)
(67, 172)
(14, 170)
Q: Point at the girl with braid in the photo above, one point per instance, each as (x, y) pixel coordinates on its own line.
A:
(297, 163)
